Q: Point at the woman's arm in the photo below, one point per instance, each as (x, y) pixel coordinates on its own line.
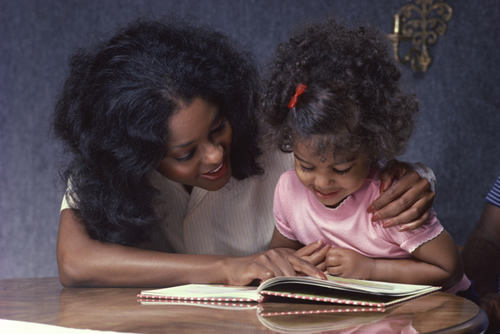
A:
(406, 202)
(83, 261)
(481, 253)
(278, 240)
(437, 262)
(481, 256)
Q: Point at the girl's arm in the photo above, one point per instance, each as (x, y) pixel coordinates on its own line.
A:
(439, 263)
(436, 262)
(83, 261)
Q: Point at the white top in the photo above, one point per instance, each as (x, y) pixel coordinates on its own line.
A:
(236, 220)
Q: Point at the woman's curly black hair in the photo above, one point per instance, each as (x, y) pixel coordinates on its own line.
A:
(113, 111)
(353, 101)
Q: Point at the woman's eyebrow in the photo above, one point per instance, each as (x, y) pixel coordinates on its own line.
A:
(183, 145)
(214, 118)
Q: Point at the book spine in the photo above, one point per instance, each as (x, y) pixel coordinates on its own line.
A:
(210, 299)
(340, 310)
(326, 300)
(197, 303)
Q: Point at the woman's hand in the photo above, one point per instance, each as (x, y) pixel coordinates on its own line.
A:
(268, 264)
(406, 202)
(490, 303)
(348, 263)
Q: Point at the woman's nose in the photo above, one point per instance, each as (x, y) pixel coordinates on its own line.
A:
(213, 153)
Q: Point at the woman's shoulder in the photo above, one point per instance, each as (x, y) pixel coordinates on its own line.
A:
(276, 162)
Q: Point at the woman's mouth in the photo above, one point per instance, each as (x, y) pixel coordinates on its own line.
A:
(216, 173)
(216, 170)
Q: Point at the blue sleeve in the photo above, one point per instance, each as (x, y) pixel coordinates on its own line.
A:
(493, 196)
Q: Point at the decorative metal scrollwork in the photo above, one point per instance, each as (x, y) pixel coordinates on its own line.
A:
(421, 23)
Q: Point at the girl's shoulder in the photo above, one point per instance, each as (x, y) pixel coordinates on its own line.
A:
(372, 182)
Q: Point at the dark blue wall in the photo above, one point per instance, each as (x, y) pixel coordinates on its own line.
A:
(457, 133)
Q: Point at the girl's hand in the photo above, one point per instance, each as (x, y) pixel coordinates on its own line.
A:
(311, 254)
(407, 202)
(349, 264)
(268, 264)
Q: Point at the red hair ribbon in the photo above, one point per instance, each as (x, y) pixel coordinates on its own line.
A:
(301, 88)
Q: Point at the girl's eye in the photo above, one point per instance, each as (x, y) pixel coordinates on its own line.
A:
(305, 169)
(342, 172)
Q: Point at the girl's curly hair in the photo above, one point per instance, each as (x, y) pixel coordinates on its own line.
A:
(113, 111)
(353, 100)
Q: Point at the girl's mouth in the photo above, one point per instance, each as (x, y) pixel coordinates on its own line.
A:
(325, 195)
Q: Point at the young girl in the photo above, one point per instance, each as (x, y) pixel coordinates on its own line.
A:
(334, 100)
(167, 182)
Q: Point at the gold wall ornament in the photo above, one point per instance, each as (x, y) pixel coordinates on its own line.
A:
(421, 23)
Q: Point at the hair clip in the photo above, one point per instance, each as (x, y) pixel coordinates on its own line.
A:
(301, 88)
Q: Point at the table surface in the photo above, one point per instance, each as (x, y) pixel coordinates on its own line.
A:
(46, 301)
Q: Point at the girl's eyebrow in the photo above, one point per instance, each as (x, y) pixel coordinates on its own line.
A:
(347, 160)
(297, 157)
(216, 115)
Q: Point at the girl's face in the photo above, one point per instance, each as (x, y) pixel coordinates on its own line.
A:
(199, 145)
(331, 181)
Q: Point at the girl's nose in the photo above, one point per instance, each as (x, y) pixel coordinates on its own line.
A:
(323, 182)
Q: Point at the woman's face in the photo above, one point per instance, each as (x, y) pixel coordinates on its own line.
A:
(199, 145)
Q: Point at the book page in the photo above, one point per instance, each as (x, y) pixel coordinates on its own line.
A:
(347, 284)
(211, 292)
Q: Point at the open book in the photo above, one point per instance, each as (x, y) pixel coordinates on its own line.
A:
(335, 290)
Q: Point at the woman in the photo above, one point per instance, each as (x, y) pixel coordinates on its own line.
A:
(167, 182)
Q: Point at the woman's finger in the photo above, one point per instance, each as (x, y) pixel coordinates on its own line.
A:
(283, 263)
(408, 181)
(306, 268)
(412, 217)
(410, 206)
(393, 170)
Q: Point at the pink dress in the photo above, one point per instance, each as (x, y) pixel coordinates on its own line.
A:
(300, 216)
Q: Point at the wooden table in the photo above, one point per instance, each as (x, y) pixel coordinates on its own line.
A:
(44, 300)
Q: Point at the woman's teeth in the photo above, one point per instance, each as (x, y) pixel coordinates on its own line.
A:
(216, 170)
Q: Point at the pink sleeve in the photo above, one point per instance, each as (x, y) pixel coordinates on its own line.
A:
(411, 240)
(281, 209)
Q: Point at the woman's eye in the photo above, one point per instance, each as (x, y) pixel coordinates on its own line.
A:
(185, 157)
(220, 126)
